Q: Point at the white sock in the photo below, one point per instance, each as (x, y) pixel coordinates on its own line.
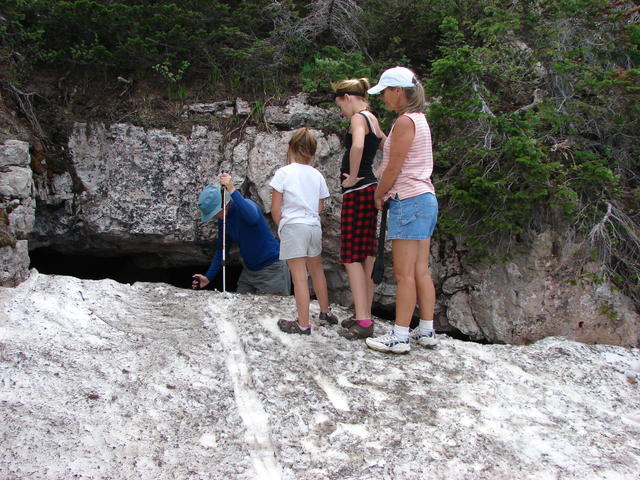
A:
(426, 326)
(401, 332)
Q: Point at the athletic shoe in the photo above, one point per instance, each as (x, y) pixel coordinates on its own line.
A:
(429, 340)
(328, 317)
(292, 326)
(356, 331)
(388, 343)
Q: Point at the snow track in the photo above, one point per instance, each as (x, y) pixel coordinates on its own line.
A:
(256, 421)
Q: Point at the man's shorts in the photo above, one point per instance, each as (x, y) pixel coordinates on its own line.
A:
(274, 278)
(300, 240)
(413, 218)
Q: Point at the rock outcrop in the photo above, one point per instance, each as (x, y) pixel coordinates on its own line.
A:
(133, 191)
(100, 379)
(549, 289)
(17, 211)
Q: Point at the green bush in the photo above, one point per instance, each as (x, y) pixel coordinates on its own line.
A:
(331, 65)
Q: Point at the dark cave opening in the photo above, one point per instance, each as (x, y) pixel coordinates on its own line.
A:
(125, 269)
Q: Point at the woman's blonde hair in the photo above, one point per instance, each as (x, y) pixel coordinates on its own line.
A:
(303, 144)
(416, 98)
(352, 86)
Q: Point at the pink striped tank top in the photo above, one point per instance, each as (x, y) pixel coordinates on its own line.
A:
(415, 176)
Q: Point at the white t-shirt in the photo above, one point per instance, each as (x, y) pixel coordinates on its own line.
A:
(302, 187)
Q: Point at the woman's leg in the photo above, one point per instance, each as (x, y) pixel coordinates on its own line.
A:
(424, 283)
(298, 268)
(405, 255)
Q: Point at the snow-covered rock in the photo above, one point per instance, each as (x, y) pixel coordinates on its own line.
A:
(106, 380)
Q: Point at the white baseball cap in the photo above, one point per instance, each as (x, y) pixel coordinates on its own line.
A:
(394, 77)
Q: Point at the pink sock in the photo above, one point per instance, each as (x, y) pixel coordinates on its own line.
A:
(365, 323)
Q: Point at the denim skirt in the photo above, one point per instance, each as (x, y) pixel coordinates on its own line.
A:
(412, 218)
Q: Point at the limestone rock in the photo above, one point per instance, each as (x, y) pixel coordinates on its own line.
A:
(15, 182)
(219, 109)
(540, 294)
(15, 153)
(298, 113)
(14, 261)
(461, 317)
(17, 211)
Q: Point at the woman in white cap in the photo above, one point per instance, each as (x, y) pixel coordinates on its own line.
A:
(413, 209)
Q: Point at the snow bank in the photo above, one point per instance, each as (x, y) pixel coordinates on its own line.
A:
(106, 380)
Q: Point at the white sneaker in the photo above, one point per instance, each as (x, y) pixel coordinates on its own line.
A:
(429, 340)
(388, 343)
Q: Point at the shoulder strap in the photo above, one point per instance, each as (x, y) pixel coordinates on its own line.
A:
(366, 117)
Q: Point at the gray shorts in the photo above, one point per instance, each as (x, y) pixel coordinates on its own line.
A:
(299, 240)
(274, 278)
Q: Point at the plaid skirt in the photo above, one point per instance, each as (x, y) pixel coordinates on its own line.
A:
(358, 221)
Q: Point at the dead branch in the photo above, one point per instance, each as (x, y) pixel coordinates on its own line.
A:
(538, 97)
(26, 107)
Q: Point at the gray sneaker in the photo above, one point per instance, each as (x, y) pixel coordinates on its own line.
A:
(429, 340)
(328, 317)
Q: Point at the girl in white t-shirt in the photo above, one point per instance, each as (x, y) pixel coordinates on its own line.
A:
(297, 199)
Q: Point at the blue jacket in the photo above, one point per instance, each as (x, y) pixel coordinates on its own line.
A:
(247, 227)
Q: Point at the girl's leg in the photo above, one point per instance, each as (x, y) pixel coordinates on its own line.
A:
(362, 286)
(424, 283)
(405, 255)
(298, 269)
(314, 265)
(358, 285)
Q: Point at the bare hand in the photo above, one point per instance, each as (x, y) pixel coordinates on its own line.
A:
(199, 281)
(378, 202)
(227, 182)
(350, 180)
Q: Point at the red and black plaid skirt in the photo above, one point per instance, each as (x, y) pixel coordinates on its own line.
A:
(358, 221)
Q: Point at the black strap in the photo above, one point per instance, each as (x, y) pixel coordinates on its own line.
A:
(342, 94)
(378, 267)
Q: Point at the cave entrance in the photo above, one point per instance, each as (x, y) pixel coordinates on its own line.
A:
(124, 269)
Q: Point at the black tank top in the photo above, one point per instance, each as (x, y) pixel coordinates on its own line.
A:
(371, 142)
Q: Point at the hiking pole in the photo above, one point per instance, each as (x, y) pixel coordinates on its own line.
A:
(378, 267)
(224, 242)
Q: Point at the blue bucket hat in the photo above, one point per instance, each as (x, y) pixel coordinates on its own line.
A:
(210, 202)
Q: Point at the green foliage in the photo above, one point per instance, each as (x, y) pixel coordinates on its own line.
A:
(331, 65)
(504, 167)
(132, 36)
